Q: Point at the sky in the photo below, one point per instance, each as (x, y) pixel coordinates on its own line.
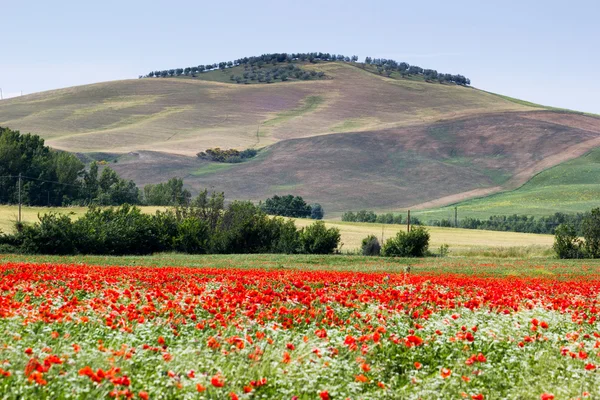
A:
(544, 51)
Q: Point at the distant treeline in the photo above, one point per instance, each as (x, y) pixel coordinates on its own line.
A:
(383, 66)
(205, 226)
(518, 223)
(370, 216)
(56, 178)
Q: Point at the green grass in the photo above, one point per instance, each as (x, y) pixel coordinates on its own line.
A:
(571, 187)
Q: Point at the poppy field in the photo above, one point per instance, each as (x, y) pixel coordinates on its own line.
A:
(87, 331)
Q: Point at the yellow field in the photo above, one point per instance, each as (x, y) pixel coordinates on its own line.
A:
(462, 242)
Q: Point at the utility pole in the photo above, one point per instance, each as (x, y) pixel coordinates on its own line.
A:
(408, 222)
(456, 217)
(1, 96)
(19, 198)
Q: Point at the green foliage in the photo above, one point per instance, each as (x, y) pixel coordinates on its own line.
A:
(169, 193)
(370, 246)
(370, 216)
(566, 242)
(316, 211)
(54, 234)
(51, 178)
(193, 236)
(288, 206)
(590, 228)
(118, 231)
(231, 156)
(519, 223)
(318, 239)
(113, 190)
(407, 244)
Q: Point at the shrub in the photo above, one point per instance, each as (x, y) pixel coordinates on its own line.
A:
(288, 241)
(244, 228)
(119, 231)
(407, 244)
(192, 236)
(370, 246)
(566, 242)
(317, 239)
(53, 234)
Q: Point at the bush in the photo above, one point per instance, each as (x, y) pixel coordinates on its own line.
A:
(54, 234)
(407, 244)
(118, 231)
(244, 228)
(317, 239)
(370, 246)
(192, 236)
(566, 242)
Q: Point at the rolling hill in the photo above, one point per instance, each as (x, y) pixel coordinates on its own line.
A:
(354, 140)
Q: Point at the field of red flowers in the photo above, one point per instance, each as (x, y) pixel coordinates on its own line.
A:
(80, 331)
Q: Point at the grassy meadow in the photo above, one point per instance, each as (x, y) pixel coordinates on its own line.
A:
(570, 187)
(462, 242)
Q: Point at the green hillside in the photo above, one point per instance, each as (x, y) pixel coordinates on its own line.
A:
(571, 187)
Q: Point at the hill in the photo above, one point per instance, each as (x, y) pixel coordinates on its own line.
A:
(571, 187)
(353, 140)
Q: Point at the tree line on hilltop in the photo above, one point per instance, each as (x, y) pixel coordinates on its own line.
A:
(255, 64)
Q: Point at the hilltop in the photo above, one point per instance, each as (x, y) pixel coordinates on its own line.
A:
(352, 137)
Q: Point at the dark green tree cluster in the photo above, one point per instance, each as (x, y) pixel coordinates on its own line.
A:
(205, 226)
(290, 71)
(227, 156)
(170, 193)
(292, 206)
(569, 244)
(51, 178)
(56, 178)
(387, 67)
(370, 216)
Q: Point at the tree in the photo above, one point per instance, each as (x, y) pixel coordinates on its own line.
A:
(407, 244)
(591, 233)
(287, 206)
(317, 211)
(566, 242)
(368, 60)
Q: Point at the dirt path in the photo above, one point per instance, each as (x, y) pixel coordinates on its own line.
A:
(518, 179)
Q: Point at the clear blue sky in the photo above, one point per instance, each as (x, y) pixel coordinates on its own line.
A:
(545, 51)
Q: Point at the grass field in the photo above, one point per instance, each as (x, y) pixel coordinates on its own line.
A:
(571, 187)
(462, 242)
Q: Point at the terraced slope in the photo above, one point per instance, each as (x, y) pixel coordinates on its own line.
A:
(355, 140)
